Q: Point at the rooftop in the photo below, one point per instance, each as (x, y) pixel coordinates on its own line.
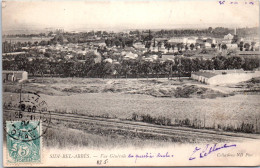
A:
(211, 73)
(7, 71)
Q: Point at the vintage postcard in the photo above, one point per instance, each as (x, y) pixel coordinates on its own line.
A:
(130, 83)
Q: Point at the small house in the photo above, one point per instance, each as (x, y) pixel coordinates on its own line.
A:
(14, 76)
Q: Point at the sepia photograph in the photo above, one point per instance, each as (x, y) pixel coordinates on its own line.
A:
(130, 83)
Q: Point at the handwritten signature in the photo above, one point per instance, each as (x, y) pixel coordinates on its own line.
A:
(208, 149)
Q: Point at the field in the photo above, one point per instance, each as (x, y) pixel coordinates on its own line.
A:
(25, 39)
(180, 103)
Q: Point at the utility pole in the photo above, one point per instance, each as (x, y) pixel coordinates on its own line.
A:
(20, 94)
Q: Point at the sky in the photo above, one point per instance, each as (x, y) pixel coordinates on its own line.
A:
(128, 14)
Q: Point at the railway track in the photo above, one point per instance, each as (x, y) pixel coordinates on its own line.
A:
(145, 128)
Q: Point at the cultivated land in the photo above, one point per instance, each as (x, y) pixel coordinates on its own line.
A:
(25, 39)
(156, 101)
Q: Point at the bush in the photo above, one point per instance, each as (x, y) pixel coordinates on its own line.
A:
(147, 118)
(106, 115)
(134, 117)
(156, 120)
(247, 128)
(244, 127)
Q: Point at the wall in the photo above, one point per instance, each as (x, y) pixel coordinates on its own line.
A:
(232, 78)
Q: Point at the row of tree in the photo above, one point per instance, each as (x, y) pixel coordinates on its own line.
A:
(179, 65)
(214, 32)
(119, 42)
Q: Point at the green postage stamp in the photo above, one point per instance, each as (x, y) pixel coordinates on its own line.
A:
(23, 141)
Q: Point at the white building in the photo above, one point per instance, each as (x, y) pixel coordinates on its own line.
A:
(139, 45)
(14, 75)
(232, 46)
(191, 40)
(178, 40)
(220, 77)
(228, 37)
(130, 55)
(208, 45)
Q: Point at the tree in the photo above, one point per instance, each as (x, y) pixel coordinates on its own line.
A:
(167, 46)
(159, 45)
(154, 45)
(50, 33)
(194, 65)
(148, 45)
(179, 46)
(149, 37)
(29, 43)
(219, 62)
(209, 64)
(186, 47)
(168, 67)
(247, 46)
(89, 63)
(234, 40)
(219, 46)
(134, 67)
(253, 45)
(173, 46)
(213, 45)
(223, 46)
(157, 67)
(43, 43)
(186, 63)
(21, 62)
(107, 69)
(60, 39)
(210, 29)
(126, 68)
(108, 42)
(117, 43)
(234, 62)
(123, 44)
(146, 68)
(180, 67)
(192, 46)
(47, 54)
(250, 63)
(241, 44)
(118, 69)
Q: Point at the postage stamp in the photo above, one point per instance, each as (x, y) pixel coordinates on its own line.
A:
(25, 124)
(23, 141)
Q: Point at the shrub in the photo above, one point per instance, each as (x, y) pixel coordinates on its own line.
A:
(162, 121)
(247, 128)
(147, 118)
(106, 115)
(134, 117)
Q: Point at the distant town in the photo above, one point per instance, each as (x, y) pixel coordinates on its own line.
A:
(136, 53)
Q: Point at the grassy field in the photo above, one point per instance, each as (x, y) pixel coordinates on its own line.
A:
(182, 103)
(203, 105)
(71, 135)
